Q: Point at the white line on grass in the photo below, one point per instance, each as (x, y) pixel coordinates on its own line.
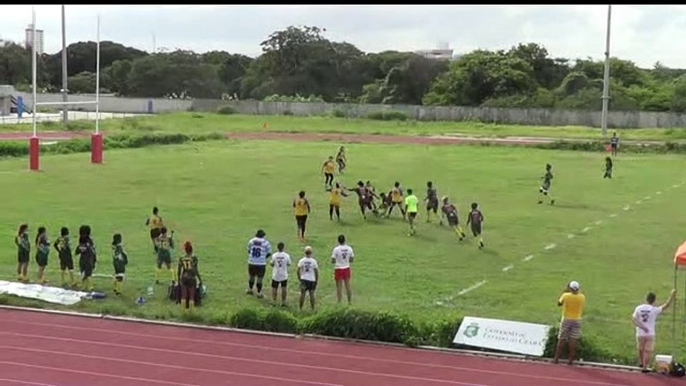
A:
(550, 246)
(598, 222)
(527, 258)
(571, 236)
(675, 186)
(658, 192)
(626, 208)
(472, 288)
(638, 202)
(586, 229)
(613, 215)
(509, 267)
(646, 198)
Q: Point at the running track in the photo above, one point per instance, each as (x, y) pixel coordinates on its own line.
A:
(47, 349)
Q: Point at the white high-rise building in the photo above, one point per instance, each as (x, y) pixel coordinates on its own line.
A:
(442, 51)
(28, 40)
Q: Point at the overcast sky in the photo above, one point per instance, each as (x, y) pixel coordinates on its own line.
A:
(643, 34)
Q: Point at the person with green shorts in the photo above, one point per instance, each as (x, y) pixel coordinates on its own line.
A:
(411, 208)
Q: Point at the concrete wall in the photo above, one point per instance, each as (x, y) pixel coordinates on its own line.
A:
(538, 117)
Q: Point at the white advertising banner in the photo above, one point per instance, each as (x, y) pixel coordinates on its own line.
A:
(36, 291)
(503, 335)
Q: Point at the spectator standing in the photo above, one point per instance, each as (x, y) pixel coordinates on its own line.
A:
(572, 303)
(644, 318)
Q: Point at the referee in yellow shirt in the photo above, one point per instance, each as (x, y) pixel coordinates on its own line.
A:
(411, 208)
(155, 223)
(572, 303)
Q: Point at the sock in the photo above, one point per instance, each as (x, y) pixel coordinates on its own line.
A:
(481, 239)
(87, 284)
(172, 274)
(191, 304)
(158, 273)
(251, 283)
(71, 278)
(114, 285)
(259, 287)
(460, 231)
(63, 276)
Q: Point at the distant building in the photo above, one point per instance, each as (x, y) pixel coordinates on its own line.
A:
(436, 53)
(28, 40)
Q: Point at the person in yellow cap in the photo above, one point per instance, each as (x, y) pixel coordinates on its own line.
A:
(572, 302)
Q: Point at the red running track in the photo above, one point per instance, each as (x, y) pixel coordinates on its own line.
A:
(47, 349)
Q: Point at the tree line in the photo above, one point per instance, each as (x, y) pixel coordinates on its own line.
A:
(300, 63)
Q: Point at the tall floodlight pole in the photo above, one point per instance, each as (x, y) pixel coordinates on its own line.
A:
(33, 67)
(606, 75)
(65, 98)
(97, 81)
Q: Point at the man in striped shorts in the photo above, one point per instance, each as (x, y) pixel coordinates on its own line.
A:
(572, 303)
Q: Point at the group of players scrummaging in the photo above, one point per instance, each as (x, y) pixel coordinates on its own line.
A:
(406, 202)
(85, 250)
(260, 255)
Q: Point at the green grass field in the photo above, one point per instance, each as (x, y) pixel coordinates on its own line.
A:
(205, 122)
(218, 194)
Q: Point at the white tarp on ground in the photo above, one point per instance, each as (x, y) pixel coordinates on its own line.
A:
(36, 291)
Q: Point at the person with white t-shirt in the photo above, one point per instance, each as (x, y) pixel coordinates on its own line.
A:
(645, 318)
(341, 256)
(280, 261)
(308, 274)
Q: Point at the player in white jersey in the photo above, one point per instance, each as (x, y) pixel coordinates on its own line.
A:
(259, 250)
(341, 256)
(280, 261)
(645, 318)
(308, 274)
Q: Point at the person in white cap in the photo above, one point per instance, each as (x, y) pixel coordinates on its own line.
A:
(644, 318)
(572, 303)
(308, 274)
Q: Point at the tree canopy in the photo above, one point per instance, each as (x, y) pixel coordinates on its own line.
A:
(301, 61)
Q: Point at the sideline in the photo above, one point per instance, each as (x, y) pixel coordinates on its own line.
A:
(454, 351)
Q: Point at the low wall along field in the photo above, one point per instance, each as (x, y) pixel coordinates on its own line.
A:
(535, 117)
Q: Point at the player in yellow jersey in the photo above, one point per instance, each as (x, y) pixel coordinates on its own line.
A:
(396, 199)
(335, 195)
(155, 223)
(301, 208)
(411, 208)
(328, 169)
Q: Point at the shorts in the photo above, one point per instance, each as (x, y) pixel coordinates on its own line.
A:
(476, 229)
(257, 270)
(41, 260)
(544, 189)
(613, 145)
(412, 215)
(23, 257)
(66, 263)
(276, 284)
(301, 221)
(308, 286)
(189, 281)
(432, 205)
(453, 221)
(341, 274)
(569, 329)
(163, 260)
(645, 343)
(154, 233)
(86, 269)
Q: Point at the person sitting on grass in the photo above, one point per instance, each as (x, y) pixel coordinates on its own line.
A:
(189, 277)
(119, 261)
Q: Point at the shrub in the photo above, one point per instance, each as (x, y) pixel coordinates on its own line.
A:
(13, 149)
(338, 113)
(249, 319)
(226, 110)
(363, 325)
(288, 113)
(387, 116)
(589, 350)
(80, 125)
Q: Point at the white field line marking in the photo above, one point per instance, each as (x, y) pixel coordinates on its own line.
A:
(646, 198)
(571, 236)
(586, 229)
(528, 258)
(638, 202)
(658, 192)
(550, 246)
(675, 186)
(509, 267)
(598, 222)
(613, 215)
(626, 208)
(472, 288)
